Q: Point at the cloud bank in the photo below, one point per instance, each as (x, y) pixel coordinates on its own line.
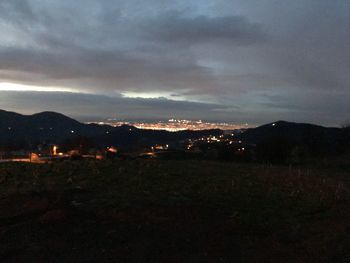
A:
(256, 58)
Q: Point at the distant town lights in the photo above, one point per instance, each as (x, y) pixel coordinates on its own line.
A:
(174, 125)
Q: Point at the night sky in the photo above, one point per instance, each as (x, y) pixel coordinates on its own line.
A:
(251, 61)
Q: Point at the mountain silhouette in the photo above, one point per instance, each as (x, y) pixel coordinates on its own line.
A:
(51, 127)
(315, 138)
(27, 131)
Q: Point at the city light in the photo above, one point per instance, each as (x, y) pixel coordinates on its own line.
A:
(174, 125)
(54, 150)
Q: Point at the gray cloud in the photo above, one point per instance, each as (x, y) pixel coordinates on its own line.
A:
(90, 107)
(225, 52)
(174, 28)
(117, 53)
(16, 11)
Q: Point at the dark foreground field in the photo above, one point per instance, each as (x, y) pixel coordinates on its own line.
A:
(173, 211)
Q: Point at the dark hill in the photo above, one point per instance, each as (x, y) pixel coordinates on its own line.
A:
(9, 119)
(317, 139)
(291, 130)
(26, 131)
(50, 119)
(45, 126)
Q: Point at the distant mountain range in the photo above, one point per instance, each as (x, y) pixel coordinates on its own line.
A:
(27, 131)
(51, 127)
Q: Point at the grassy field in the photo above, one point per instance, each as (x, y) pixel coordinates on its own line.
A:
(174, 211)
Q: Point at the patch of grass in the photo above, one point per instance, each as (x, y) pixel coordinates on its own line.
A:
(299, 211)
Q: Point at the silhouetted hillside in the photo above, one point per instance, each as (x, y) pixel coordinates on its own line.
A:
(294, 131)
(49, 119)
(282, 139)
(26, 131)
(275, 141)
(45, 126)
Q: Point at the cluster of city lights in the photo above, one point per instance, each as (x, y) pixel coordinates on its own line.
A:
(174, 125)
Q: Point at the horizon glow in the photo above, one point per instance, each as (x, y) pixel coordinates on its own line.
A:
(6, 86)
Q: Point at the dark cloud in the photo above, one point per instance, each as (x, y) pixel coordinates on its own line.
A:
(223, 52)
(87, 106)
(17, 12)
(117, 53)
(174, 28)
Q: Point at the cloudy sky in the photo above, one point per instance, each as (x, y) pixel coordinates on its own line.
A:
(250, 61)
